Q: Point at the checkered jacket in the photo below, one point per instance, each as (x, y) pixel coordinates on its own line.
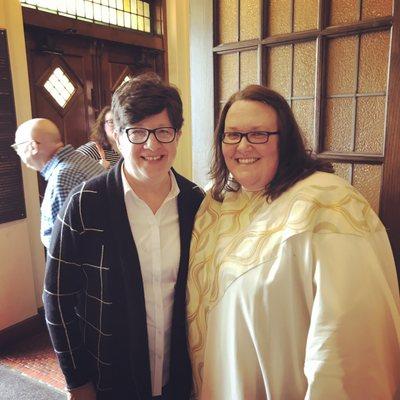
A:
(93, 295)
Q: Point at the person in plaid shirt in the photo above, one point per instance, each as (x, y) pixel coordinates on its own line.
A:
(39, 145)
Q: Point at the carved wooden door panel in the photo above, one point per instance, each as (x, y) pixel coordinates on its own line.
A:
(61, 81)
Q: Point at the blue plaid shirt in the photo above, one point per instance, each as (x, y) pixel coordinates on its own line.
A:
(64, 171)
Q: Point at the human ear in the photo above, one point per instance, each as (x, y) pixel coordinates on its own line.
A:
(34, 147)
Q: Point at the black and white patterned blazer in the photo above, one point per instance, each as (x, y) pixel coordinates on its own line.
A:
(93, 295)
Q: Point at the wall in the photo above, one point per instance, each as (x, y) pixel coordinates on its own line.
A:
(21, 253)
(179, 75)
(201, 68)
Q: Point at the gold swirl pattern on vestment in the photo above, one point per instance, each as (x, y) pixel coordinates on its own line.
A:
(231, 237)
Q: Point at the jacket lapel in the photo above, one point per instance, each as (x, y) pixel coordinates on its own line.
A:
(128, 291)
(180, 367)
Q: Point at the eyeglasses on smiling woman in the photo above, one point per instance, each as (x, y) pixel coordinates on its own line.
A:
(163, 134)
(256, 137)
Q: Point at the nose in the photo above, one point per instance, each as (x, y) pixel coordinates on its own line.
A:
(152, 143)
(243, 144)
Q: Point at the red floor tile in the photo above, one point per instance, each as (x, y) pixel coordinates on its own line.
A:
(35, 358)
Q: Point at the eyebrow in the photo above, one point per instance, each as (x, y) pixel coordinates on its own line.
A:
(253, 128)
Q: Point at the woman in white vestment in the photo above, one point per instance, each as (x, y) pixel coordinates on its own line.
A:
(292, 285)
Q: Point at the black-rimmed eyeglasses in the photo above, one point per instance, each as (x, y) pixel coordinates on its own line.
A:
(256, 137)
(164, 134)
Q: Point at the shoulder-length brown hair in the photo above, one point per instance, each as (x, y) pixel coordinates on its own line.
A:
(98, 134)
(295, 162)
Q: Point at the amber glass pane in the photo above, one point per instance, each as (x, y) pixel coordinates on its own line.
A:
(367, 179)
(343, 11)
(279, 70)
(341, 77)
(374, 53)
(249, 19)
(305, 15)
(303, 111)
(339, 125)
(343, 170)
(248, 68)
(370, 126)
(376, 8)
(228, 75)
(279, 20)
(304, 69)
(228, 21)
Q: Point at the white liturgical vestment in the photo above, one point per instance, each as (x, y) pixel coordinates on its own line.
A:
(295, 298)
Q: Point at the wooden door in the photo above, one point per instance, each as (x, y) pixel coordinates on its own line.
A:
(86, 71)
(91, 69)
(52, 56)
(120, 61)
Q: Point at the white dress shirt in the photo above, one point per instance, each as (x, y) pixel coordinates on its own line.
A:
(158, 244)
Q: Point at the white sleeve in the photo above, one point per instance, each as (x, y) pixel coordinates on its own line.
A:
(353, 343)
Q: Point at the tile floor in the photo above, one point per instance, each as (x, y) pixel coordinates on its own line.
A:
(35, 358)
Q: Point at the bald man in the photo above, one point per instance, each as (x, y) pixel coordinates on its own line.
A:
(39, 144)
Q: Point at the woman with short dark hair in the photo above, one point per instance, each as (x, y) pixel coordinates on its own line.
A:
(115, 285)
(102, 146)
(292, 285)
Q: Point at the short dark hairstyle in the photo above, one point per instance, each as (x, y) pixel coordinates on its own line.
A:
(98, 134)
(295, 162)
(143, 96)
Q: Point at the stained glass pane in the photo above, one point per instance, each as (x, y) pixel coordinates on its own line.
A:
(305, 15)
(343, 12)
(375, 9)
(97, 12)
(146, 10)
(304, 69)
(110, 12)
(343, 170)
(71, 8)
(127, 5)
(140, 23)
(140, 7)
(303, 111)
(374, 55)
(127, 20)
(339, 125)
(249, 19)
(80, 8)
(370, 124)
(367, 179)
(89, 13)
(342, 65)
(120, 18)
(279, 69)
(105, 16)
(228, 21)
(134, 21)
(147, 25)
(279, 17)
(113, 16)
(248, 68)
(228, 75)
(59, 86)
